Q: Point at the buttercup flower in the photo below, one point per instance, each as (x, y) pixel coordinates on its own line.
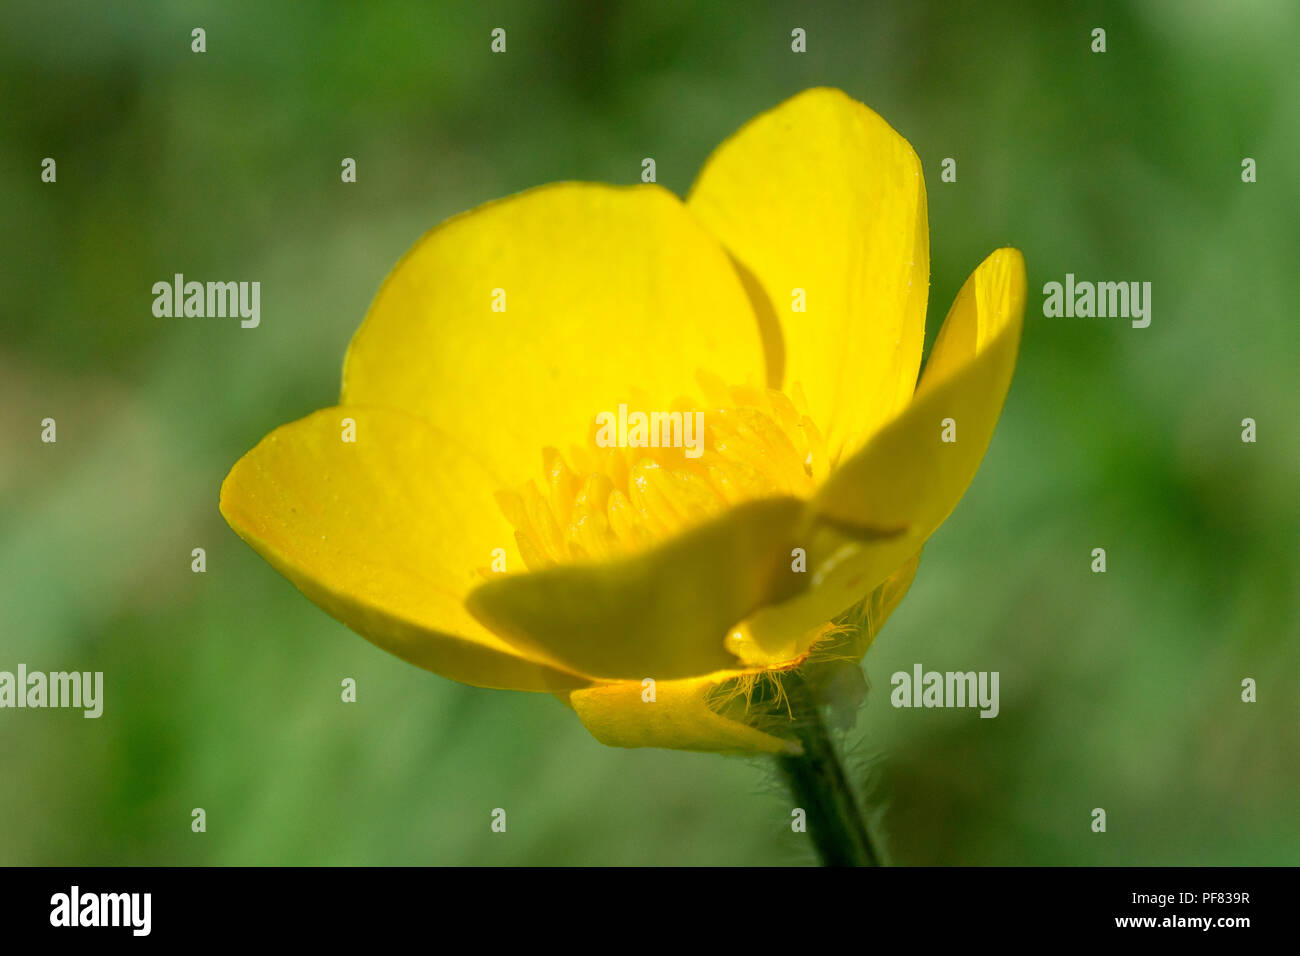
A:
(511, 491)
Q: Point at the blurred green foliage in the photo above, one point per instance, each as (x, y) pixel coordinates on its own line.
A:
(1119, 691)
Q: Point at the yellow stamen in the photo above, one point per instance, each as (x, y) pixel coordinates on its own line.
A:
(615, 501)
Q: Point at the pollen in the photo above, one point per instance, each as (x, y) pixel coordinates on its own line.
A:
(608, 499)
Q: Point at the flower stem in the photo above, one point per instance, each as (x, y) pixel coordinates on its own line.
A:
(819, 785)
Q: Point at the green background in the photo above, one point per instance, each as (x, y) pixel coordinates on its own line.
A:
(1119, 691)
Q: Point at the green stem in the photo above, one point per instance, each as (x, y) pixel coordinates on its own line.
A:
(819, 785)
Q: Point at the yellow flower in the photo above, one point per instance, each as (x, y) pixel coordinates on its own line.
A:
(468, 519)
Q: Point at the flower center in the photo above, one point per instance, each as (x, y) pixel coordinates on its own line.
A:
(640, 480)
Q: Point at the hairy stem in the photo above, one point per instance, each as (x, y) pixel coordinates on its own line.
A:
(819, 785)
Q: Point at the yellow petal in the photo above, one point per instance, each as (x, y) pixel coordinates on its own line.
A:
(386, 533)
(618, 715)
(820, 194)
(907, 479)
(680, 717)
(661, 613)
(605, 290)
(881, 604)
